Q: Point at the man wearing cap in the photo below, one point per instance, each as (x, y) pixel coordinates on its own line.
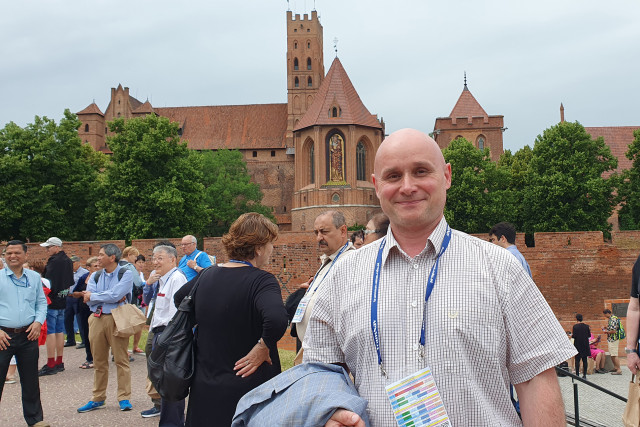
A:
(71, 312)
(59, 271)
(23, 308)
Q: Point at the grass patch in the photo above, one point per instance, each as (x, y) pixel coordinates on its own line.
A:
(286, 358)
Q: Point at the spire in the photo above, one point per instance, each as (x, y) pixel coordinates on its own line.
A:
(561, 113)
(465, 81)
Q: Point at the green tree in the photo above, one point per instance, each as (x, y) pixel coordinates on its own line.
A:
(229, 190)
(479, 195)
(629, 215)
(48, 181)
(516, 166)
(153, 184)
(565, 189)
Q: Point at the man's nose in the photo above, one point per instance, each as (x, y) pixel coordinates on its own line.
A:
(407, 184)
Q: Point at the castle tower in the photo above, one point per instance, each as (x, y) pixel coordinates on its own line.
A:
(469, 120)
(305, 66)
(92, 129)
(335, 145)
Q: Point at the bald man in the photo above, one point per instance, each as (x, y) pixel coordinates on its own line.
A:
(436, 304)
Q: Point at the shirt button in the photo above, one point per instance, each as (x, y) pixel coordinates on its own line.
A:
(414, 304)
(415, 347)
(415, 266)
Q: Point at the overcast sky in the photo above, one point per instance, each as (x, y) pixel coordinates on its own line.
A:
(405, 58)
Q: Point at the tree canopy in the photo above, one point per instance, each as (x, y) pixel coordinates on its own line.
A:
(152, 185)
(48, 181)
(629, 189)
(229, 190)
(564, 185)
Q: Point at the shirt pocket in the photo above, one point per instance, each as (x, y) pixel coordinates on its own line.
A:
(474, 330)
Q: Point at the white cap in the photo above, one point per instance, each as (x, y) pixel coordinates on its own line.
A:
(52, 241)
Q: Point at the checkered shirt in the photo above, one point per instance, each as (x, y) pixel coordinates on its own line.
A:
(487, 325)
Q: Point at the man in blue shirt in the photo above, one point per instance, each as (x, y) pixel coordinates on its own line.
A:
(193, 261)
(106, 290)
(504, 234)
(23, 309)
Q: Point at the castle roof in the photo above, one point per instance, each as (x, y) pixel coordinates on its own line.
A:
(230, 126)
(145, 108)
(91, 109)
(618, 138)
(467, 106)
(337, 91)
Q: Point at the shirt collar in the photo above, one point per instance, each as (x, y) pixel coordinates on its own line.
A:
(323, 257)
(434, 241)
(167, 274)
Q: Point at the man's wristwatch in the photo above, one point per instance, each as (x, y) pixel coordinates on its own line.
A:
(629, 351)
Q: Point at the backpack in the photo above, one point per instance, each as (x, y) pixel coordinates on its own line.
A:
(621, 334)
(171, 363)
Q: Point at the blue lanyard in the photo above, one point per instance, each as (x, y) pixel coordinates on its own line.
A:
(325, 274)
(237, 261)
(433, 274)
(19, 282)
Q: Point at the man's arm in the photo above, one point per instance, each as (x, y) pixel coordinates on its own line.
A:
(541, 400)
(41, 303)
(633, 318)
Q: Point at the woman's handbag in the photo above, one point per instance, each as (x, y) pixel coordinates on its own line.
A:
(172, 360)
(129, 320)
(631, 415)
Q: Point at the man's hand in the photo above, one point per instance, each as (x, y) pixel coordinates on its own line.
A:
(34, 331)
(192, 264)
(306, 284)
(253, 360)
(153, 278)
(86, 296)
(4, 340)
(633, 362)
(344, 418)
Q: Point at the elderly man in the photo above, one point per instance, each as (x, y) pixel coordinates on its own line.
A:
(170, 279)
(429, 307)
(59, 271)
(330, 228)
(194, 260)
(107, 289)
(23, 309)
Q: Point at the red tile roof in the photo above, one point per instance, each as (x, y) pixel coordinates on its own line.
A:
(230, 126)
(91, 109)
(337, 90)
(618, 138)
(467, 106)
(144, 108)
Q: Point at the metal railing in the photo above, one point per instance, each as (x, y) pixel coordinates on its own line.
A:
(575, 391)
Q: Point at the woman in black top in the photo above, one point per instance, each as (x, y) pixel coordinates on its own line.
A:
(240, 318)
(580, 335)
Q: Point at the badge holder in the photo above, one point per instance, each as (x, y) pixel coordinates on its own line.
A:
(98, 312)
(416, 402)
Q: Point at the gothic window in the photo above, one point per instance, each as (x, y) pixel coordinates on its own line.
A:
(312, 164)
(309, 82)
(308, 45)
(335, 153)
(86, 128)
(297, 82)
(361, 162)
(334, 112)
(308, 63)
(295, 45)
(481, 142)
(295, 64)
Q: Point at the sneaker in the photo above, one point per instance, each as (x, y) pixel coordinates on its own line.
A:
(601, 371)
(60, 367)
(584, 377)
(46, 370)
(69, 344)
(91, 406)
(149, 413)
(125, 405)
(81, 345)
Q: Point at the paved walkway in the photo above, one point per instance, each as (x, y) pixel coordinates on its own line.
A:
(594, 404)
(64, 392)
